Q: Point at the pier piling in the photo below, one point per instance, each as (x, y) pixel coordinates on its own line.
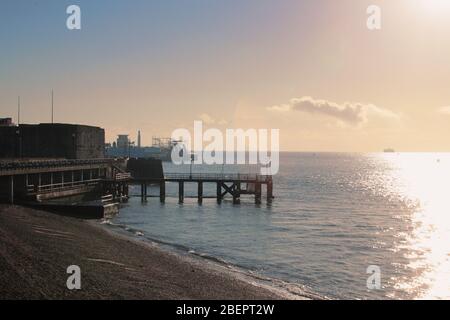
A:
(126, 190)
(181, 192)
(219, 192)
(270, 192)
(143, 192)
(162, 191)
(237, 193)
(200, 192)
(258, 193)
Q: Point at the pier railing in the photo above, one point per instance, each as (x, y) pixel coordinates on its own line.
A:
(122, 176)
(218, 177)
(61, 186)
(24, 164)
(12, 167)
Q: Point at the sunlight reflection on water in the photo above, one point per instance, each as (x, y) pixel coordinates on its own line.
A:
(425, 180)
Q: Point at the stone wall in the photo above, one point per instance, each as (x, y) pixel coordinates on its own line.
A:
(52, 141)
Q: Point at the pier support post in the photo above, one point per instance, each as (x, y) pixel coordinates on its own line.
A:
(123, 198)
(126, 190)
(142, 192)
(180, 192)
(258, 192)
(237, 193)
(200, 192)
(270, 191)
(119, 191)
(162, 191)
(219, 193)
(145, 192)
(11, 189)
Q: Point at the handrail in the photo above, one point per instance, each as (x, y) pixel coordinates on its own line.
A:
(107, 198)
(218, 176)
(123, 176)
(62, 186)
(27, 164)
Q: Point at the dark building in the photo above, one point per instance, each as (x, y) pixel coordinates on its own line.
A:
(145, 168)
(67, 141)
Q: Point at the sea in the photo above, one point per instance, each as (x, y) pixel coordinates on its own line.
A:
(342, 225)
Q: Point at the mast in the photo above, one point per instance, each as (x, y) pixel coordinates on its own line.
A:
(18, 110)
(52, 105)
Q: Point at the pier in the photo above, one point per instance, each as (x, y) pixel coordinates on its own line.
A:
(234, 185)
(37, 180)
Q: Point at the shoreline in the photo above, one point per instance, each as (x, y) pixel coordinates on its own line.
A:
(36, 247)
(285, 290)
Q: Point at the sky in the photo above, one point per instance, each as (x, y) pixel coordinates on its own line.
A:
(311, 69)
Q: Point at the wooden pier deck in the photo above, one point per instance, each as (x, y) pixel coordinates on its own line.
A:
(233, 184)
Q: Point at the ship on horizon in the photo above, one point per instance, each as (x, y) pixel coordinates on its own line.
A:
(161, 148)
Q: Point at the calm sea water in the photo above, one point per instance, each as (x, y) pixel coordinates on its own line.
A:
(334, 215)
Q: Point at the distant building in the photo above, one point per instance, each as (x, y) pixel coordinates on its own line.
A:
(122, 141)
(56, 141)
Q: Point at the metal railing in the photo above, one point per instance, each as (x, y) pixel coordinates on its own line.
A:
(218, 176)
(62, 186)
(34, 164)
(122, 176)
(107, 198)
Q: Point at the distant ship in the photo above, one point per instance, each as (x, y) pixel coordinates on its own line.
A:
(389, 150)
(161, 149)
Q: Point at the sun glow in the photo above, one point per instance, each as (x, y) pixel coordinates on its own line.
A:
(435, 5)
(428, 242)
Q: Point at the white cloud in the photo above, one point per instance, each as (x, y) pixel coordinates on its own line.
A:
(207, 119)
(353, 114)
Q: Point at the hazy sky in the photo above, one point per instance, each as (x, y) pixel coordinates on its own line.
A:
(309, 68)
